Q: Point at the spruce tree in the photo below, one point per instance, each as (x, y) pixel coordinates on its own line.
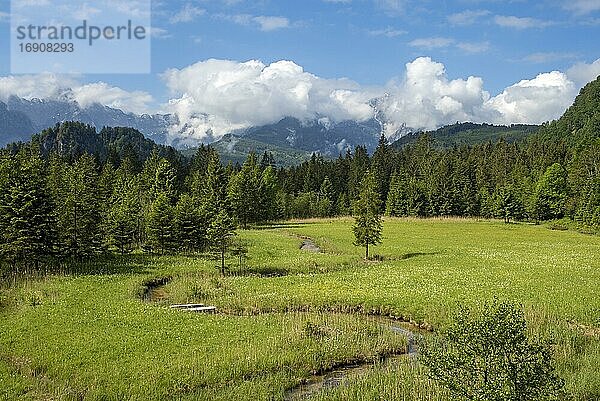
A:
(367, 227)
(160, 225)
(220, 232)
(26, 220)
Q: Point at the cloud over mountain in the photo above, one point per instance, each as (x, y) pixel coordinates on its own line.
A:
(63, 87)
(213, 97)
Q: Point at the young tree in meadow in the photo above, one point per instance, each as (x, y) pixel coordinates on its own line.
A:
(488, 357)
(367, 226)
(220, 232)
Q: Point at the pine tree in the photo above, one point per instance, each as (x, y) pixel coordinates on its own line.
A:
(78, 208)
(244, 192)
(123, 212)
(397, 200)
(367, 227)
(160, 227)
(325, 199)
(268, 195)
(220, 232)
(26, 220)
(551, 193)
(189, 224)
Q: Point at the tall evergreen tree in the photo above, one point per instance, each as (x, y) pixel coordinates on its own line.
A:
(26, 220)
(367, 226)
(220, 232)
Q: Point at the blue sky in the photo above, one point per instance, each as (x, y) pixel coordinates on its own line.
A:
(370, 42)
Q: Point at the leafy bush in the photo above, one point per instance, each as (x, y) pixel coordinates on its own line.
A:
(488, 357)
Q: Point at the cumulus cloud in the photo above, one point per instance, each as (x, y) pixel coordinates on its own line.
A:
(545, 97)
(60, 87)
(582, 73)
(214, 97)
(426, 98)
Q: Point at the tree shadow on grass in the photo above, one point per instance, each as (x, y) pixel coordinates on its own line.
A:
(415, 254)
(274, 226)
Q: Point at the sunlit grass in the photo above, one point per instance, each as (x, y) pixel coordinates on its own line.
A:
(85, 333)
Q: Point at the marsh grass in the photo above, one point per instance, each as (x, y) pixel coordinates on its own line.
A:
(83, 332)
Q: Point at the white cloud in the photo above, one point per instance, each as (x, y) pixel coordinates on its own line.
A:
(338, 1)
(392, 7)
(263, 22)
(441, 42)
(42, 86)
(214, 97)
(60, 87)
(111, 96)
(545, 57)
(543, 98)
(188, 13)
(510, 21)
(268, 23)
(582, 73)
(431, 43)
(467, 17)
(471, 47)
(426, 98)
(159, 33)
(582, 6)
(388, 32)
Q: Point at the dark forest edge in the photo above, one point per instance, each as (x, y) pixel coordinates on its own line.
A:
(74, 193)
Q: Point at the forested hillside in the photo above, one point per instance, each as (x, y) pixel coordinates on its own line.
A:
(470, 134)
(72, 192)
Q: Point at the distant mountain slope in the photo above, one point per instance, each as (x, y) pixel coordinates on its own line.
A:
(236, 149)
(71, 139)
(471, 134)
(14, 125)
(36, 115)
(320, 136)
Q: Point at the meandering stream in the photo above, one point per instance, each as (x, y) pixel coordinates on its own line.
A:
(154, 291)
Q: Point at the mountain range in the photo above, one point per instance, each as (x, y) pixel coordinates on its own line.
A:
(290, 140)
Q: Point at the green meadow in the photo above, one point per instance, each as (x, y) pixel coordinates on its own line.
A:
(285, 314)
